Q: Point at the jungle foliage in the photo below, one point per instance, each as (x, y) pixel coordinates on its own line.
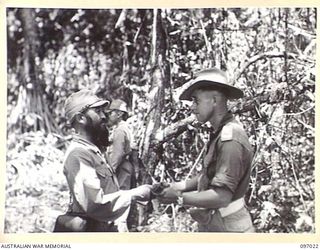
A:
(144, 56)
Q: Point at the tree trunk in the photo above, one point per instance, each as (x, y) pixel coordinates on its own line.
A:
(31, 112)
(159, 76)
(159, 80)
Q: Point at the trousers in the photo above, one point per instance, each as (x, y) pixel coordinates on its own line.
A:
(238, 222)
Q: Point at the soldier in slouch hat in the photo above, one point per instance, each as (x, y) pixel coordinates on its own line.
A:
(218, 202)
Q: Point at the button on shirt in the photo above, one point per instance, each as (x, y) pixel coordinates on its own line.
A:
(92, 182)
(227, 161)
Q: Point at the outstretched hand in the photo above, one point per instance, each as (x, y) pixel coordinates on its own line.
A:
(169, 195)
(157, 188)
(165, 193)
(141, 193)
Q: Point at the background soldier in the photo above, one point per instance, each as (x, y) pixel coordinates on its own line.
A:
(120, 149)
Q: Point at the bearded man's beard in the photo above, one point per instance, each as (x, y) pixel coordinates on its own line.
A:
(99, 134)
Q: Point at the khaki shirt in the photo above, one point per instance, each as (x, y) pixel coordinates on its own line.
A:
(93, 183)
(118, 156)
(227, 161)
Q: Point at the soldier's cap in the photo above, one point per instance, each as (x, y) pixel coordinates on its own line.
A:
(118, 104)
(80, 101)
(210, 78)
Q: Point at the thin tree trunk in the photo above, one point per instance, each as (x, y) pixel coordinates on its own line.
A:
(160, 79)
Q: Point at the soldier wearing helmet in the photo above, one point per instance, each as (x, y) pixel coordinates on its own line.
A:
(120, 149)
(218, 204)
(119, 153)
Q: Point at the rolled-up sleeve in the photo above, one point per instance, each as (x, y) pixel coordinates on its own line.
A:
(229, 165)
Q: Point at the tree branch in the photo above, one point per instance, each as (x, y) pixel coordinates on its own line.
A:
(175, 129)
(121, 19)
(261, 57)
(154, 37)
(172, 131)
(299, 31)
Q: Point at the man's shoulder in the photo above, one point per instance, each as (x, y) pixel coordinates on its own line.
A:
(77, 152)
(122, 130)
(122, 126)
(232, 131)
(77, 149)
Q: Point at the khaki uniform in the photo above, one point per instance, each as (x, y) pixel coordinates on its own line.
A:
(119, 156)
(227, 164)
(94, 187)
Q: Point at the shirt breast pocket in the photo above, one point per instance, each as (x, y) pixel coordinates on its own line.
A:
(106, 178)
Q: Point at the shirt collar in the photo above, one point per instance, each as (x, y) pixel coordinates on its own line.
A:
(81, 140)
(91, 146)
(227, 118)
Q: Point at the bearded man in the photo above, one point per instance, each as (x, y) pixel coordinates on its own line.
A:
(96, 198)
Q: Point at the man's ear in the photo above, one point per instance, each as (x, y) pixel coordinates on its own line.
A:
(214, 99)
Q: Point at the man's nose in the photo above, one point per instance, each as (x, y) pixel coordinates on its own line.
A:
(103, 115)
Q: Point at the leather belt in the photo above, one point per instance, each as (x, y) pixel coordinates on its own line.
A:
(232, 207)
